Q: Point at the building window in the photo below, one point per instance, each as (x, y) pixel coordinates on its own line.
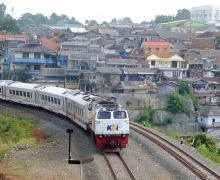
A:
(36, 55)
(174, 63)
(25, 55)
(36, 67)
(152, 63)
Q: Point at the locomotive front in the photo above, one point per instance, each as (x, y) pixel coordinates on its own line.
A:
(111, 127)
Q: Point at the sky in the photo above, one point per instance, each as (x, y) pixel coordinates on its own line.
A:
(103, 10)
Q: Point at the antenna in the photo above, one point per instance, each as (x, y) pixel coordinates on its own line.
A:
(12, 11)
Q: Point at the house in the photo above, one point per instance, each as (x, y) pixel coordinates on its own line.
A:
(119, 62)
(107, 78)
(209, 117)
(161, 49)
(32, 57)
(172, 36)
(79, 44)
(9, 42)
(108, 31)
(137, 87)
(137, 74)
(4, 69)
(167, 88)
(173, 66)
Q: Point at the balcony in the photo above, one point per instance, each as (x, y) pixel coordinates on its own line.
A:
(31, 61)
(52, 72)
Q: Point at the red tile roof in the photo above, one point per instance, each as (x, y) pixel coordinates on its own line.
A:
(52, 43)
(4, 37)
(156, 43)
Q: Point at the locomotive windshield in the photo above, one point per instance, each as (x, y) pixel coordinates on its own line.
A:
(104, 115)
(119, 114)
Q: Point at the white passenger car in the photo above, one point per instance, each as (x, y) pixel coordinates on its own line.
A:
(52, 98)
(21, 93)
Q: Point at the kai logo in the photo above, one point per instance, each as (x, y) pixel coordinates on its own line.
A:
(112, 127)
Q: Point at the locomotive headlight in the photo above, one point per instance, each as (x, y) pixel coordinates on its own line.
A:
(100, 136)
(123, 135)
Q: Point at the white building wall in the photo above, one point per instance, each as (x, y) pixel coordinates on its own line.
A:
(207, 122)
(206, 14)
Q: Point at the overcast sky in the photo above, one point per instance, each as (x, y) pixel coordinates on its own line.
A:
(104, 10)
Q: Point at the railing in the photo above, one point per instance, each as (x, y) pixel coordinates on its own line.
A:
(31, 61)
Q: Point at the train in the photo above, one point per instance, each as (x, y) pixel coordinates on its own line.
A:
(107, 120)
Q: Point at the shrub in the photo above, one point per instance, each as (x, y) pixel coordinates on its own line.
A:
(176, 104)
(183, 88)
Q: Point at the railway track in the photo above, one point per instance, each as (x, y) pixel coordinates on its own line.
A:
(113, 164)
(194, 165)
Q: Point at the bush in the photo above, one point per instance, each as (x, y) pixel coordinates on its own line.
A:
(202, 139)
(176, 104)
(183, 88)
(147, 114)
(195, 101)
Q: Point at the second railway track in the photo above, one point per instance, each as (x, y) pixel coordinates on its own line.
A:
(118, 166)
(194, 165)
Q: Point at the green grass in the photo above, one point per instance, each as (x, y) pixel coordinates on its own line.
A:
(14, 131)
(195, 24)
(206, 146)
(213, 156)
(171, 24)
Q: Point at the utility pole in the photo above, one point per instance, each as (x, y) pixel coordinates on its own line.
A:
(80, 162)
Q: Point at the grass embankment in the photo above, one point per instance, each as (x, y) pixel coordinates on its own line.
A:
(191, 24)
(203, 144)
(206, 146)
(17, 131)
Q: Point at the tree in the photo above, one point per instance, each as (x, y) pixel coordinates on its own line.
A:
(9, 24)
(2, 11)
(164, 18)
(183, 14)
(127, 20)
(217, 42)
(92, 23)
(183, 88)
(114, 20)
(176, 104)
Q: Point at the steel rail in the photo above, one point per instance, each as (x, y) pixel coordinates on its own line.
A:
(189, 165)
(217, 175)
(126, 166)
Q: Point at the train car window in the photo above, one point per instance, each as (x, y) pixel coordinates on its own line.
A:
(119, 114)
(17, 92)
(76, 110)
(10, 91)
(24, 94)
(58, 100)
(55, 100)
(13, 92)
(51, 99)
(45, 98)
(28, 94)
(48, 98)
(20, 93)
(104, 115)
(0, 90)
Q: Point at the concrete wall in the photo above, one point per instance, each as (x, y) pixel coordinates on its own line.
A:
(140, 101)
